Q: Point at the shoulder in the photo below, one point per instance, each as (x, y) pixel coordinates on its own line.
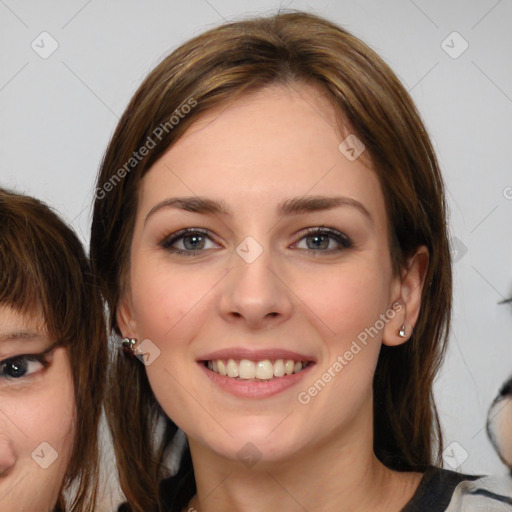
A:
(441, 490)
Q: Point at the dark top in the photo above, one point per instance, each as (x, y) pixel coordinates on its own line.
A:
(435, 490)
(439, 490)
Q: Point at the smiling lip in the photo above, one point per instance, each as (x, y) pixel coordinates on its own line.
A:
(252, 388)
(255, 355)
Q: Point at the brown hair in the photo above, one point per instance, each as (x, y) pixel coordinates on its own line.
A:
(44, 270)
(210, 71)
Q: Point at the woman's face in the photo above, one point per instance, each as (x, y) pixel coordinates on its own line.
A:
(256, 284)
(36, 415)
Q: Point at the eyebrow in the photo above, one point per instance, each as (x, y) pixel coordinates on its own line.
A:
(21, 335)
(293, 206)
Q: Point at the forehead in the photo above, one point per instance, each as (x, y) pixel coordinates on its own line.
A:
(281, 141)
(16, 324)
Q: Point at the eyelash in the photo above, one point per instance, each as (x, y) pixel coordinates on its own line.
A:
(341, 238)
(25, 359)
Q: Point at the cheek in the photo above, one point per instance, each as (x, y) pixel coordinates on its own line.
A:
(162, 297)
(44, 410)
(50, 417)
(347, 300)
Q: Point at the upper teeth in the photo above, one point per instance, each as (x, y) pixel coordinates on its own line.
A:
(263, 370)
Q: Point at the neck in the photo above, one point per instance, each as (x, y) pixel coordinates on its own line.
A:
(339, 474)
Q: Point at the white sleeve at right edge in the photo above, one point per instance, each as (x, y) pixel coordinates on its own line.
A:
(486, 494)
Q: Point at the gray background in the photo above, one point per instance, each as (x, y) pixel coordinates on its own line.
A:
(58, 113)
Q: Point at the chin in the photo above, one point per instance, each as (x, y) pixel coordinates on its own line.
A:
(264, 456)
(256, 448)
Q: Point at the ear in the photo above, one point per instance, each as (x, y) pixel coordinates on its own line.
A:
(125, 317)
(406, 298)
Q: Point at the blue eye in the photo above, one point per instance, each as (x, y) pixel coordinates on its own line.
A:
(321, 237)
(192, 239)
(22, 366)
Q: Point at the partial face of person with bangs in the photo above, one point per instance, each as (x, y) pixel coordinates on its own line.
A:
(260, 257)
(36, 413)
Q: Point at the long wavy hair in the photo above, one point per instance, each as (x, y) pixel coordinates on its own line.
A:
(43, 268)
(212, 70)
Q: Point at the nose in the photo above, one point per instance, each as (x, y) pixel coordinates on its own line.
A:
(7, 455)
(255, 292)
